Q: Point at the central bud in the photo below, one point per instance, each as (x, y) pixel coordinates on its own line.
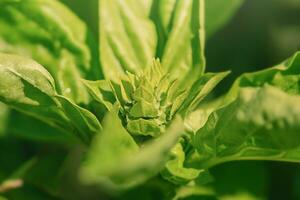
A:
(145, 101)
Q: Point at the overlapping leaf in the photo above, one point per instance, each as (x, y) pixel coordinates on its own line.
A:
(51, 34)
(123, 163)
(180, 26)
(259, 120)
(28, 87)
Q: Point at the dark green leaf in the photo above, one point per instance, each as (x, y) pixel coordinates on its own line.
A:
(218, 12)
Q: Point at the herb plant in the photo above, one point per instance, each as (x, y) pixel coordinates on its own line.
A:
(130, 109)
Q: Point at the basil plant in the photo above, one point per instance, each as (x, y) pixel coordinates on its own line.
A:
(134, 97)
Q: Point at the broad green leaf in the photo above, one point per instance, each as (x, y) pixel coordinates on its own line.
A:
(259, 119)
(123, 163)
(283, 76)
(108, 149)
(252, 128)
(218, 12)
(86, 122)
(86, 10)
(127, 36)
(21, 126)
(50, 33)
(152, 156)
(165, 12)
(249, 180)
(181, 27)
(27, 86)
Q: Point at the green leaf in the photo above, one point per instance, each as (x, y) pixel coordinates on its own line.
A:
(29, 192)
(175, 171)
(113, 145)
(100, 92)
(200, 89)
(2, 198)
(50, 33)
(258, 119)
(218, 13)
(127, 36)
(27, 86)
(86, 122)
(21, 126)
(194, 192)
(4, 115)
(116, 161)
(182, 36)
(39, 175)
(249, 180)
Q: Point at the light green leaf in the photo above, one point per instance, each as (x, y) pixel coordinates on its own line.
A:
(27, 86)
(183, 30)
(124, 164)
(200, 89)
(127, 36)
(165, 10)
(250, 124)
(86, 122)
(258, 119)
(50, 33)
(175, 171)
(218, 12)
(108, 149)
(100, 92)
(194, 192)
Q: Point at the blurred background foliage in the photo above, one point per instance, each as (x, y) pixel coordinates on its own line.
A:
(261, 34)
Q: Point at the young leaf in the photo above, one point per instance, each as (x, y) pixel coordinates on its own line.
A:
(123, 163)
(200, 89)
(100, 92)
(113, 145)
